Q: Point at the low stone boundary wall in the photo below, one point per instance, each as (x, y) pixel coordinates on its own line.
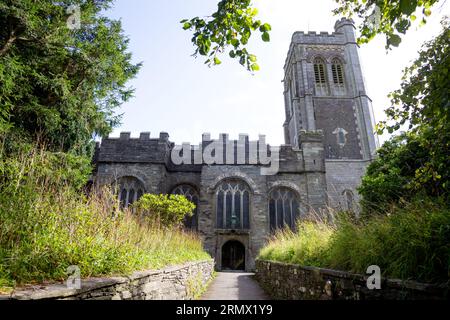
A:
(173, 283)
(293, 282)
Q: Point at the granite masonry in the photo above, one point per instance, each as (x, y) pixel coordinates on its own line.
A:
(239, 200)
(293, 282)
(184, 282)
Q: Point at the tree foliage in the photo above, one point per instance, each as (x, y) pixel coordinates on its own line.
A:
(163, 210)
(231, 26)
(391, 177)
(61, 85)
(392, 18)
(423, 103)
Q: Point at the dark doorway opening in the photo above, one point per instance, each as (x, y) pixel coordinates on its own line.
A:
(233, 256)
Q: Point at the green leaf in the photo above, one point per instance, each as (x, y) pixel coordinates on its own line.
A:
(254, 67)
(394, 40)
(232, 54)
(265, 37)
(408, 7)
(217, 61)
(402, 26)
(265, 27)
(187, 25)
(252, 58)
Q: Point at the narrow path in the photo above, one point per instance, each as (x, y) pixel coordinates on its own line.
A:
(234, 286)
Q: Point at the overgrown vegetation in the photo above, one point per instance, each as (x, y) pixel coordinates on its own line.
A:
(306, 246)
(46, 225)
(412, 242)
(390, 177)
(63, 75)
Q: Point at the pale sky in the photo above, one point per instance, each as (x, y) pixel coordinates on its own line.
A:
(178, 94)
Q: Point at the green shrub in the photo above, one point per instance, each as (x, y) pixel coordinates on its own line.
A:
(389, 178)
(163, 210)
(47, 224)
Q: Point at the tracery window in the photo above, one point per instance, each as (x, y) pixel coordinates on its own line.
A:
(130, 190)
(284, 208)
(233, 205)
(191, 194)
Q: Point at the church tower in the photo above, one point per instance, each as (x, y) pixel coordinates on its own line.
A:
(324, 90)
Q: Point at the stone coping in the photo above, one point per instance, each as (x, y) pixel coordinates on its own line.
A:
(60, 290)
(392, 283)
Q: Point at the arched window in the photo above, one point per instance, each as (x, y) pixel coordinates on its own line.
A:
(131, 197)
(139, 194)
(284, 208)
(189, 192)
(349, 199)
(338, 72)
(320, 78)
(123, 197)
(233, 205)
(131, 189)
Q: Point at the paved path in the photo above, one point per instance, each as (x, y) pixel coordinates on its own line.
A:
(234, 286)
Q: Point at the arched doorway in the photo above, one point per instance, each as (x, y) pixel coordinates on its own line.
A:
(233, 256)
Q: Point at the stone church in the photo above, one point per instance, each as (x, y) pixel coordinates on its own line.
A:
(239, 200)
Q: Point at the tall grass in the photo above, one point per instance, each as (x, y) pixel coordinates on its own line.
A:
(306, 246)
(412, 242)
(47, 225)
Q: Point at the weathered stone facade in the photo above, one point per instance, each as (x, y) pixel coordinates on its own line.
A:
(325, 89)
(148, 161)
(239, 201)
(173, 283)
(293, 282)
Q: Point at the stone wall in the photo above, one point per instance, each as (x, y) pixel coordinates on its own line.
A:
(174, 283)
(294, 282)
(343, 175)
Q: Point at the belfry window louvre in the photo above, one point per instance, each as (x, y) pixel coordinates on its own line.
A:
(319, 71)
(338, 73)
(320, 77)
(233, 205)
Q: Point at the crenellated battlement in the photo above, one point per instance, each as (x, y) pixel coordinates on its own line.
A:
(319, 41)
(145, 136)
(220, 151)
(323, 37)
